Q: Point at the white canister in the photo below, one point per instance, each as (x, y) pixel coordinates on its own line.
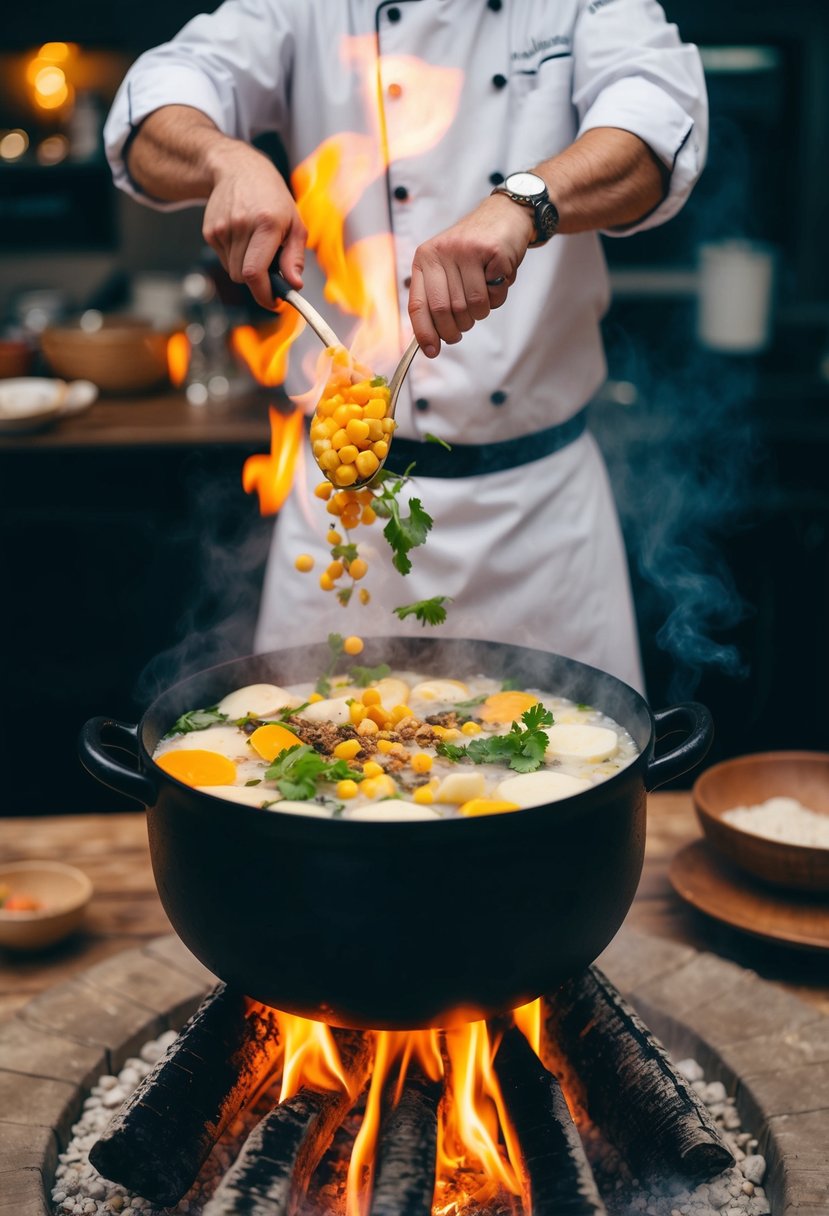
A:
(736, 288)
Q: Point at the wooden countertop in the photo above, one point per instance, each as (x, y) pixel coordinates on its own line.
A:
(164, 419)
(125, 910)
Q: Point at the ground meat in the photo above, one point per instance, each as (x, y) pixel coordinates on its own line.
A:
(324, 736)
(449, 718)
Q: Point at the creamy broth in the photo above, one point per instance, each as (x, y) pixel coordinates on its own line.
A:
(404, 748)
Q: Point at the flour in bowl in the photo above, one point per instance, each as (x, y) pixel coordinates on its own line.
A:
(782, 819)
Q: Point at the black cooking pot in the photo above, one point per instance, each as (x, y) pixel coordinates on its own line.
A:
(405, 924)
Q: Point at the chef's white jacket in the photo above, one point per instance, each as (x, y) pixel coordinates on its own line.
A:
(531, 554)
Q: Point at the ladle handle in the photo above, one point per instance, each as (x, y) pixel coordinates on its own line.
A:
(283, 291)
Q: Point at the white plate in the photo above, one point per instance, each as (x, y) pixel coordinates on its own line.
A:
(31, 403)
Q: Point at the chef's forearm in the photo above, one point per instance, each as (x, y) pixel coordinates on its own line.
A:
(177, 153)
(608, 178)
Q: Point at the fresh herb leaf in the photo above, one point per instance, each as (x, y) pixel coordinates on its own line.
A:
(378, 382)
(363, 676)
(428, 612)
(406, 532)
(471, 703)
(584, 708)
(344, 595)
(522, 749)
(296, 771)
(289, 711)
(336, 646)
(510, 685)
(344, 553)
(430, 438)
(255, 781)
(196, 719)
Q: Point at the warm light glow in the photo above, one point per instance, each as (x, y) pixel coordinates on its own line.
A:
(13, 144)
(310, 1057)
(178, 358)
(266, 350)
(53, 149)
(528, 1021)
(55, 52)
(51, 89)
(272, 476)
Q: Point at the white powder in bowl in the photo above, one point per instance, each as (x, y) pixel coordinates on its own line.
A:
(783, 819)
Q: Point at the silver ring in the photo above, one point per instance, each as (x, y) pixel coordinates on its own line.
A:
(496, 282)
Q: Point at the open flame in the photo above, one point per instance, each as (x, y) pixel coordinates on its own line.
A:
(272, 476)
(178, 358)
(409, 106)
(478, 1156)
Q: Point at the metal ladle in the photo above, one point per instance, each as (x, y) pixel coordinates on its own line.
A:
(283, 290)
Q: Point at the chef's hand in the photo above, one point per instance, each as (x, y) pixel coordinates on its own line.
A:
(459, 276)
(249, 215)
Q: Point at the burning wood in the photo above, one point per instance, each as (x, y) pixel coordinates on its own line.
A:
(557, 1177)
(273, 1170)
(157, 1142)
(621, 1075)
(404, 1180)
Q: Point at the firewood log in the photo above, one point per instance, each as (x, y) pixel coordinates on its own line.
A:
(404, 1176)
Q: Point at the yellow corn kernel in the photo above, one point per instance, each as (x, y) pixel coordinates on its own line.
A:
(380, 391)
(335, 570)
(357, 430)
(486, 806)
(424, 795)
(349, 453)
(332, 536)
(332, 508)
(317, 430)
(421, 763)
(350, 518)
(314, 697)
(329, 461)
(326, 582)
(368, 516)
(372, 769)
(371, 697)
(304, 563)
(354, 645)
(345, 475)
(388, 425)
(386, 787)
(347, 750)
(375, 408)
(319, 446)
(367, 727)
(392, 748)
(354, 411)
(446, 732)
(357, 568)
(359, 392)
(364, 497)
(399, 712)
(346, 789)
(340, 415)
(380, 449)
(470, 728)
(356, 712)
(368, 788)
(365, 596)
(375, 429)
(367, 462)
(343, 499)
(323, 490)
(339, 439)
(378, 715)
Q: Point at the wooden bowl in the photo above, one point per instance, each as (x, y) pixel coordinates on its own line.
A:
(63, 892)
(15, 358)
(749, 780)
(125, 355)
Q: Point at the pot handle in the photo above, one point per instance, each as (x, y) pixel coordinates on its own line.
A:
(692, 717)
(108, 768)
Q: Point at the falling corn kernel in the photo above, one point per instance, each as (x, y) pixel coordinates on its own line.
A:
(365, 596)
(357, 569)
(353, 645)
(326, 582)
(323, 490)
(304, 563)
(333, 536)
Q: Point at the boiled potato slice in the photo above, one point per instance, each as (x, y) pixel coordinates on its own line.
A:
(313, 810)
(440, 690)
(392, 692)
(229, 741)
(392, 809)
(256, 700)
(534, 789)
(461, 787)
(248, 795)
(591, 743)
(335, 710)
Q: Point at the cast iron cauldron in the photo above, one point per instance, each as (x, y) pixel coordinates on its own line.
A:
(409, 924)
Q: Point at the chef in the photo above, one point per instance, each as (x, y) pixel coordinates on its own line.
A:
(572, 117)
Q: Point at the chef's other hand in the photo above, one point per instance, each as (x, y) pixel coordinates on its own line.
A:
(249, 214)
(459, 276)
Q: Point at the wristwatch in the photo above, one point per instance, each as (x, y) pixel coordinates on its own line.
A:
(529, 190)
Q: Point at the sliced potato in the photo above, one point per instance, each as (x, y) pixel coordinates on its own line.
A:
(440, 690)
(392, 809)
(312, 810)
(229, 741)
(248, 795)
(335, 710)
(461, 787)
(535, 789)
(256, 700)
(392, 692)
(591, 743)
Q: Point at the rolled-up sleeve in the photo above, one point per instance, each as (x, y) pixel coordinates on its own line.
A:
(632, 71)
(233, 65)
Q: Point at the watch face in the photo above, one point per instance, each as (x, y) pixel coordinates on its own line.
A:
(527, 184)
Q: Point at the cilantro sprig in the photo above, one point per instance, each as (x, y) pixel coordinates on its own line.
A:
(296, 771)
(428, 612)
(196, 719)
(363, 676)
(521, 750)
(404, 532)
(336, 647)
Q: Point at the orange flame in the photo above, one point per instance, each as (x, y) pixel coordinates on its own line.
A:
(266, 351)
(272, 476)
(310, 1057)
(178, 358)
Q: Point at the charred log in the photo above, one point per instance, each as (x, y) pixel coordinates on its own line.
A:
(404, 1177)
(557, 1178)
(157, 1142)
(621, 1075)
(273, 1170)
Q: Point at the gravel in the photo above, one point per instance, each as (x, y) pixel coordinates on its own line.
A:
(80, 1191)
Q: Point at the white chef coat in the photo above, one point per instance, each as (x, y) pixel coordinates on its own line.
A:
(531, 554)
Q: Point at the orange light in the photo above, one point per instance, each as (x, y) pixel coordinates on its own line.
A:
(528, 1021)
(310, 1057)
(56, 52)
(178, 358)
(266, 351)
(51, 89)
(272, 476)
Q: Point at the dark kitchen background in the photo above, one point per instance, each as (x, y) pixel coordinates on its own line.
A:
(715, 417)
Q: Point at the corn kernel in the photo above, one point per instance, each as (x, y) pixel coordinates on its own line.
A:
(367, 463)
(372, 769)
(339, 439)
(343, 499)
(356, 712)
(329, 461)
(380, 449)
(323, 490)
(392, 748)
(333, 537)
(319, 446)
(304, 562)
(388, 425)
(375, 429)
(357, 568)
(364, 497)
(371, 696)
(421, 763)
(367, 727)
(378, 715)
(386, 787)
(341, 415)
(326, 582)
(423, 795)
(335, 570)
(365, 596)
(345, 475)
(314, 697)
(368, 516)
(399, 712)
(353, 645)
(346, 789)
(359, 392)
(350, 518)
(470, 728)
(385, 746)
(357, 430)
(347, 750)
(375, 408)
(368, 788)
(349, 454)
(332, 508)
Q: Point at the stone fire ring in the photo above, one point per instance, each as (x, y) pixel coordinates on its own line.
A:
(770, 1050)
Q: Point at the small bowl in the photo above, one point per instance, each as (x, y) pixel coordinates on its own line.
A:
(749, 780)
(126, 355)
(15, 358)
(33, 403)
(64, 893)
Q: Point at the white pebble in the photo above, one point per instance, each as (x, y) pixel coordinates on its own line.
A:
(108, 1082)
(128, 1077)
(690, 1070)
(754, 1168)
(116, 1202)
(168, 1038)
(747, 1188)
(714, 1093)
(113, 1098)
(152, 1051)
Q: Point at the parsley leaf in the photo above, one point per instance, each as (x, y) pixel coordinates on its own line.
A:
(428, 612)
(296, 771)
(196, 719)
(378, 382)
(363, 676)
(430, 438)
(471, 703)
(522, 749)
(510, 685)
(405, 532)
(344, 595)
(344, 553)
(336, 646)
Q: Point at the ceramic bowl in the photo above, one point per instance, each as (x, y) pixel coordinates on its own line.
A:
(749, 780)
(63, 893)
(15, 358)
(33, 403)
(125, 355)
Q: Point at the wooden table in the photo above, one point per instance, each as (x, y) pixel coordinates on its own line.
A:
(125, 910)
